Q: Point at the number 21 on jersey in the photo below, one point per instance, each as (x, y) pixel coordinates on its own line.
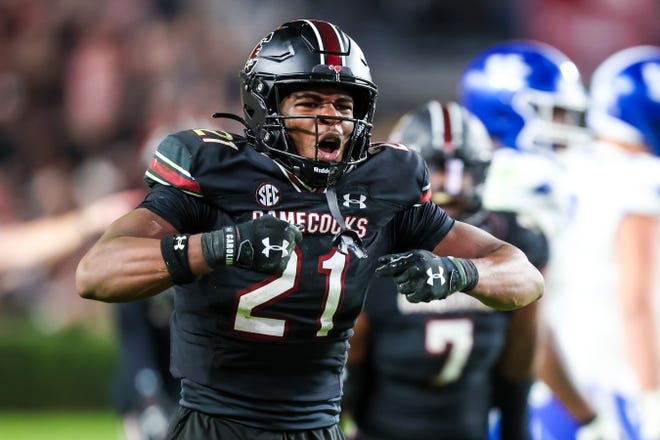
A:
(332, 265)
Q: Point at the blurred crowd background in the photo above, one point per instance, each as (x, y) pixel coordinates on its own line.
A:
(89, 87)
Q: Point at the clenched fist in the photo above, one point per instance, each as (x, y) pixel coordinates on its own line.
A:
(423, 276)
(263, 244)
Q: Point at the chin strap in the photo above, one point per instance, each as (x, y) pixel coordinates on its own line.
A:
(347, 239)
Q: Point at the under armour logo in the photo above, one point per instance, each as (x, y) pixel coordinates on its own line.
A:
(284, 248)
(434, 276)
(180, 242)
(357, 200)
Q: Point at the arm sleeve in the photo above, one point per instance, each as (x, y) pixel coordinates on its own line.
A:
(533, 242)
(186, 213)
(421, 227)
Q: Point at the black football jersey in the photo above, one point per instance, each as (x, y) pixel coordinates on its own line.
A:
(268, 350)
(431, 363)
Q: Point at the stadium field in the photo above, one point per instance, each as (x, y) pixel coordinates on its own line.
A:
(52, 425)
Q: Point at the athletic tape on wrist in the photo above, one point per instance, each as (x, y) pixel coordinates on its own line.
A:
(229, 233)
(471, 273)
(174, 249)
(219, 247)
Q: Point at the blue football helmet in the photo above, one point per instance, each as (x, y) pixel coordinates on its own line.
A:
(625, 97)
(529, 95)
(453, 140)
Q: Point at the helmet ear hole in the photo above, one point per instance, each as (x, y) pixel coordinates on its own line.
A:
(261, 89)
(269, 138)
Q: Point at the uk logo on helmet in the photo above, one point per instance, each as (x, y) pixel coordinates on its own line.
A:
(507, 71)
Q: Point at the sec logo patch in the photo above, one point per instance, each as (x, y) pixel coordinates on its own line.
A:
(268, 195)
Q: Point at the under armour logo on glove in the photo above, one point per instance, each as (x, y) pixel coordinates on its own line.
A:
(435, 276)
(284, 248)
(255, 249)
(249, 245)
(423, 276)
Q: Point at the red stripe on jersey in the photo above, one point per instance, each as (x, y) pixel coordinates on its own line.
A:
(329, 41)
(173, 177)
(449, 141)
(425, 197)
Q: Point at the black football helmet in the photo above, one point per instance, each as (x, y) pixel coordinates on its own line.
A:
(453, 140)
(296, 54)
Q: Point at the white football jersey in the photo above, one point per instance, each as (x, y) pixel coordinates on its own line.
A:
(527, 183)
(603, 184)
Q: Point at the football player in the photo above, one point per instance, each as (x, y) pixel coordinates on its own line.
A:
(531, 99)
(435, 370)
(145, 393)
(271, 238)
(609, 333)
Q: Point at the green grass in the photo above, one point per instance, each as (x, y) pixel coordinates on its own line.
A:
(56, 425)
(73, 368)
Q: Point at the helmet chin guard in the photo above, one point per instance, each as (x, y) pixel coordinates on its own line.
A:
(306, 53)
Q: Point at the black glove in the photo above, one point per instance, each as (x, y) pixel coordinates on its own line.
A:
(423, 276)
(263, 244)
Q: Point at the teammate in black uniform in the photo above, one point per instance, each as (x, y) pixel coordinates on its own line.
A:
(145, 393)
(271, 239)
(435, 370)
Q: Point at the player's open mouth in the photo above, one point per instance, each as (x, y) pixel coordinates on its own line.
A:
(328, 148)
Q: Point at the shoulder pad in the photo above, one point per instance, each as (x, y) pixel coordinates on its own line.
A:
(176, 157)
(401, 165)
(378, 147)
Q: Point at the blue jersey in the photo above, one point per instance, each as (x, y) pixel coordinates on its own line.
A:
(268, 350)
(431, 365)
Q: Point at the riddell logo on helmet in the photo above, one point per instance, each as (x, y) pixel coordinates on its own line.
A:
(321, 170)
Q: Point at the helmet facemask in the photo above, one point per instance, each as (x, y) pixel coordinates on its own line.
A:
(550, 124)
(275, 140)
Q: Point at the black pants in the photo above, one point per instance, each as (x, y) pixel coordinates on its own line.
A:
(188, 424)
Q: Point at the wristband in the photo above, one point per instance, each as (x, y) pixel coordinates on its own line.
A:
(174, 249)
(469, 270)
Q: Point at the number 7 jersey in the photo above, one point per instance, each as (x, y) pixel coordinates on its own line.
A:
(268, 350)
